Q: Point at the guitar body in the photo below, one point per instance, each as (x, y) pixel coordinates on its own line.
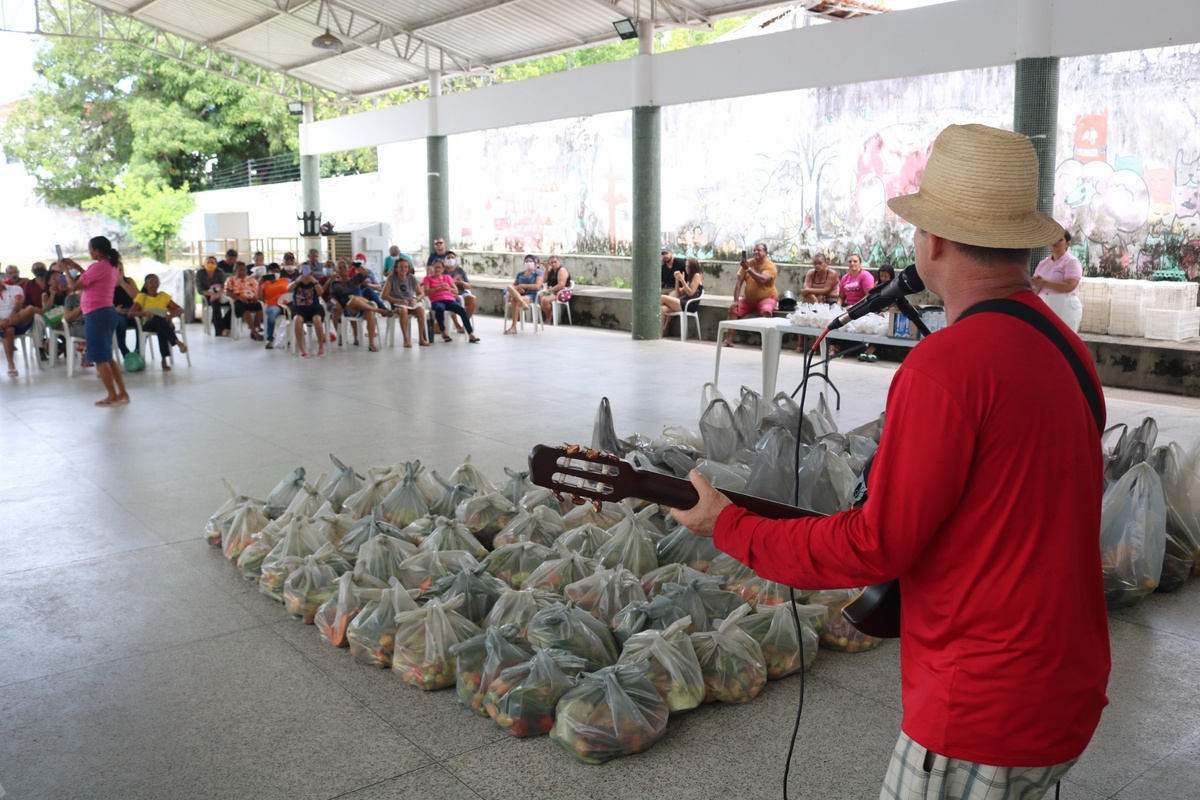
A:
(600, 476)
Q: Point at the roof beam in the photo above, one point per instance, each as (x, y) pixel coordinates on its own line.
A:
(261, 21)
(455, 16)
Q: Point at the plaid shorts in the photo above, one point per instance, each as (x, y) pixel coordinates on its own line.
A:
(912, 776)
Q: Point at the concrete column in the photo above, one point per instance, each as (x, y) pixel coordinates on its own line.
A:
(1035, 114)
(647, 206)
(310, 182)
(438, 170)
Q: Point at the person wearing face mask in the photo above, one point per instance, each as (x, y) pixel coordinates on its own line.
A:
(523, 290)
(210, 283)
(455, 271)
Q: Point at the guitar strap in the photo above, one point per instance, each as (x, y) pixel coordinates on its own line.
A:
(1014, 308)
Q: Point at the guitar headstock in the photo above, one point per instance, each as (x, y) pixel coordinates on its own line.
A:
(581, 473)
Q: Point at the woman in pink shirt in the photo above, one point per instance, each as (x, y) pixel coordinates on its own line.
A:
(855, 284)
(98, 282)
(1056, 280)
(442, 292)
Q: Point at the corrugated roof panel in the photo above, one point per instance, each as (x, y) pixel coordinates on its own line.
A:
(360, 71)
(195, 21)
(282, 42)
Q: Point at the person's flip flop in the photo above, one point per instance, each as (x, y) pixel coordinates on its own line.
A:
(447, 339)
(304, 355)
(474, 340)
(12, 373)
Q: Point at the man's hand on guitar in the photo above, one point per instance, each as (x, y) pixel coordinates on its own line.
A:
(702, 517)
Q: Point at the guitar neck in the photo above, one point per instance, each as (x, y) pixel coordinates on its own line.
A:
(674, 492)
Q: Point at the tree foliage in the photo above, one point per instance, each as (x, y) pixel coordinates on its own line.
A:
(152, 212)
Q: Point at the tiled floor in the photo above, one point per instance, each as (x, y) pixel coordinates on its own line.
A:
(135, 663)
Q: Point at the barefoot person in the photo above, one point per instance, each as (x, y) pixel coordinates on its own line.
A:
(98, 282)
(1004, 650)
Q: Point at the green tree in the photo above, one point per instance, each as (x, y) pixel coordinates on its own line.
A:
(152, 212)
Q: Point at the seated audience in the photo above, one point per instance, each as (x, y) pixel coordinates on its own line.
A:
(243, 290)
(820, 282)
(689, 286)
(757, 275)
(346, 293)
(210, 283)
(404, 293)
(443, 296)
(307, 308)
(156, 310)
(557, 279)
(270, 289)
(455, 270)
(521, 292)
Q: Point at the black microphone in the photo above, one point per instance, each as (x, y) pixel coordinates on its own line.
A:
(882, 297)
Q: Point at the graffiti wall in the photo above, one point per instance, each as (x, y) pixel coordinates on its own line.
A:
(811, 171)
(1127, 183)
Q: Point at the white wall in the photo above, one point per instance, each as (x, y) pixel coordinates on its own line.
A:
(950, 37)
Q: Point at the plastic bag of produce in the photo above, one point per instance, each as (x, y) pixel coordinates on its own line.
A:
(1177, 565)
(703, 600)
(517, 607)
(605, 592)
(237, 532)
(343, 483)
(613, 712)
(784, 413)
(479, 591)
(817, 423)
(516, 486)
(467, 473)
(586, 540)
(656, 614)
(368, 497)
(431, 488)
(249, 563)
(480, 659)
(758, 591)
(719, 432)
(1133, 531)
(826, 481)
(604, 434)
(732, 662)
(485, 514)
(405, 504)
(523, 697)
(774, 629)
(380, 558)
(513, 563)
(772, 475)
(726, 477)
(554, 574)
(708, 393)
(308, 502)
(448, 534)
(684, 547)
(372, 633)
(283, 493)
(605, 517)
(218, 523)
(451, 496)
(300, 539)
(422, 570)
(835, 632)
(1180, 474)
(423, 641)
(365, 530)
(728, 569)
(334, 616)
(654, 580)
(539, 496)
(573, 630)
(671, 664)
(311, 584)
(632, 543)
(334, 527)
(419, 531)
(542, 525)
(1124, 448)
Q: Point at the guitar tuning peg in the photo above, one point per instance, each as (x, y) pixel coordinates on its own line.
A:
(571, 449)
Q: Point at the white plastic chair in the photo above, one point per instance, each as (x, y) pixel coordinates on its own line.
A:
(206, 317)
(389, 333)
(557, 306)
(533, 311)
(683, 322)
(35, 335)
(288, 319)
(147, 343)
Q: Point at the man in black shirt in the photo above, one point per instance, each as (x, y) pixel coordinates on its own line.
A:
(670, 265)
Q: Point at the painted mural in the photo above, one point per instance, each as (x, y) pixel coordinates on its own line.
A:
(811, 171)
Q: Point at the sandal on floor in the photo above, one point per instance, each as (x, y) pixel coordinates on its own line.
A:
(446, 338)
(423, 344)
(474, 340)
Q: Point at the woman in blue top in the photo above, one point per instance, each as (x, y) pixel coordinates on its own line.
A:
(523, 290)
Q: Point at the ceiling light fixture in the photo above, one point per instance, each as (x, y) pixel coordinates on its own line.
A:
(327, 41)
(626, 28)
(296, 108)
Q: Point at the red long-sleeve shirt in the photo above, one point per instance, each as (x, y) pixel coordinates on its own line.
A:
(985, 501)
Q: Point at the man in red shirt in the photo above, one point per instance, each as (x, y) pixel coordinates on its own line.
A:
(984, 502)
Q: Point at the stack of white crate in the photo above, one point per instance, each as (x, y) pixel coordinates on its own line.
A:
(1171, 311)
(1127, 308)
(1095, 295)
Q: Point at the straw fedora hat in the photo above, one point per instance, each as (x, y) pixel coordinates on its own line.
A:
(980, 187)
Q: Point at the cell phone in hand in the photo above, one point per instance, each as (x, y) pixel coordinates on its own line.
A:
(58, 251)
(743, 255)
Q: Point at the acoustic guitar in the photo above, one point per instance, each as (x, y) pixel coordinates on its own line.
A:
(598, 476)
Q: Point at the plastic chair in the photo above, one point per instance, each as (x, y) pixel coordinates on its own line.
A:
(288, 320)
(389, 333)
(35, 334)
(145, 343)
(533, 311)
(683, 322)
(206, 317)
(556, 306)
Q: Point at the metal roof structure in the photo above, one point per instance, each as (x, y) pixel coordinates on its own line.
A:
(386, 45)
